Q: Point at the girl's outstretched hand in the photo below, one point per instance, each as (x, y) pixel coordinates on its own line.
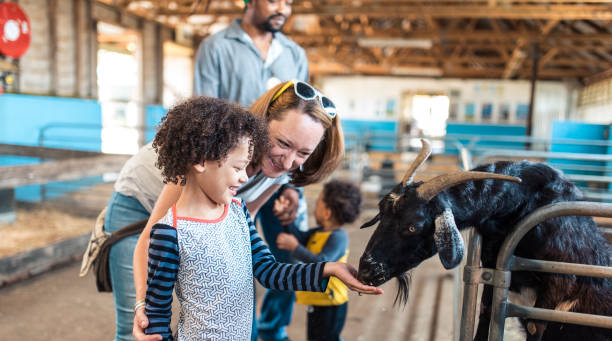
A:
(348, 274)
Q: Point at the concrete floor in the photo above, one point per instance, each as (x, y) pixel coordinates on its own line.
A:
(60, 305)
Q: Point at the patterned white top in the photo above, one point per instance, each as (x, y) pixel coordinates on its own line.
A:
(212, 264)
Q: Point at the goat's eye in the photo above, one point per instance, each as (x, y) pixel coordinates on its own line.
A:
(410, 231)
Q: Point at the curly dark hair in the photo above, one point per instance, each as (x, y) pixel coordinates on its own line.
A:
(205, 128)
(343, 198)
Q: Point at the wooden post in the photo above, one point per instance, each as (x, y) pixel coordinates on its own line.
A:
(534, 77)
(53, 74)
(92, 49)
(78, 50)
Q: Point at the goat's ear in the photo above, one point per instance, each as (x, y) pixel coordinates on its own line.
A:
(448, 240)
(371, 221)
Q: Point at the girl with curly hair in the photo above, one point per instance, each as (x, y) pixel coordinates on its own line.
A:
(206, 245)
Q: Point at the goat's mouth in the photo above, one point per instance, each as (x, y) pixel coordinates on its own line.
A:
(372, 273)
(373, 281)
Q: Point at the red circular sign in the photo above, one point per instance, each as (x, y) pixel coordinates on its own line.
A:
(14, 30)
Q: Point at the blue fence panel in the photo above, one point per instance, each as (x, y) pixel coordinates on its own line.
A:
(581, 131)
(482, 131)
(375, 134)
(69, 123)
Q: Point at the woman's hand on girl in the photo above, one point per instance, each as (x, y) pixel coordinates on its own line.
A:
(286, 206)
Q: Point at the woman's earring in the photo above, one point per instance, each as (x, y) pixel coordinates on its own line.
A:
(301, 168)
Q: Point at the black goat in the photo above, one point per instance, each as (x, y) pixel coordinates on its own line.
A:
(419, 219)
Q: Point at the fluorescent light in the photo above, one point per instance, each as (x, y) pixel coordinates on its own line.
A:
(395, 42)
(200, 19)
(416, 71)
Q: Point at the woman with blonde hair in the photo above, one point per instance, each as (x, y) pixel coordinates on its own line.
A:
(306, 145)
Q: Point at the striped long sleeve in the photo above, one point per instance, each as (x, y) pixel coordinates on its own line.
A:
(281, 276)
(163, 267)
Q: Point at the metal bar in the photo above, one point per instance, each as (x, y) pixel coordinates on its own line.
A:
(498, 313)
(526, 264)
(470, 288)
(43, 152)
(63, 170)
(462, 315)
(599, 321)
(594, 195)
(456, 307)
(589, 178)
(488, 153)
(535, 140)
(581, 167)
(466, 158)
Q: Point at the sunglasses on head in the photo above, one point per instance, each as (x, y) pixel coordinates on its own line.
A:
(306, 92)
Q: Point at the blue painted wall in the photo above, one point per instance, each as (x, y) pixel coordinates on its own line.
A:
(70, 123)
(475, 129)
(380, 135)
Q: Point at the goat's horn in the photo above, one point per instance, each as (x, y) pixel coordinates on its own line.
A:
(423, 155)
(431, 188)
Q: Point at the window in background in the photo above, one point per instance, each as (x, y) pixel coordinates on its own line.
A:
(504, 112)
(178, 73)
(487, 112)
(119, 88)
(470, 110)
(522, 110)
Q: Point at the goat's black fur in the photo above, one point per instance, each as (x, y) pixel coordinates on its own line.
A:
(494, 207)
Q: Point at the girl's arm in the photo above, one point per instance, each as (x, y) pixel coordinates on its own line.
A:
(163, 268)
(168, 196)
(302, 277)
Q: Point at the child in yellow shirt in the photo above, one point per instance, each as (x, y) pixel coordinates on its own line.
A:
(338, 204)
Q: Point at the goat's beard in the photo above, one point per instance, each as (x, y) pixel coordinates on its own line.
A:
(403, 288)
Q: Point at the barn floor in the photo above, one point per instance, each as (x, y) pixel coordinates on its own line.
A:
(60, 305)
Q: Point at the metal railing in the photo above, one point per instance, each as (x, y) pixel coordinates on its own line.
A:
(500, 278)
(507, 262)
(591, 172)
(82, 135)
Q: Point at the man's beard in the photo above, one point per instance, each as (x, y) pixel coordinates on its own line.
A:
(268, 27)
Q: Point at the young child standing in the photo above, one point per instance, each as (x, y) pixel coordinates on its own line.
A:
(338, 204)
(206, 246)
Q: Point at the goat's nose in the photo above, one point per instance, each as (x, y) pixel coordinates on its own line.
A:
(367, 268)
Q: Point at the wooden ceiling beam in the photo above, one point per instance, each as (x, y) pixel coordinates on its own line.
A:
(418, 11)
(516, 60)
(455, 72)
(547, 57)
(479, 35)
(550, 24)
(607, 74)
